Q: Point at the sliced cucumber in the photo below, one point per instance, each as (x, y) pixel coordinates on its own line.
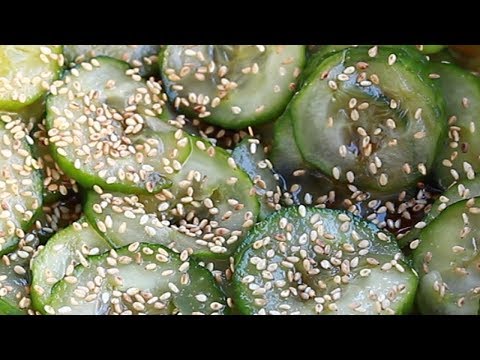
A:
(103, 130)
(140, 279)
(20, 182)
(233, 86)
(464, 190)
(318, 261)
(143, 57)
(326, 50)
(15, 277)
(208, 209)
(55, 182)
(376, 115)
(58, 258)
(448, 261)
(459, 158)
(26, 72)
(250, 156)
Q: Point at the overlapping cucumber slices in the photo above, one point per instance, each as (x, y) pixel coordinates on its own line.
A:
(370, 116)
(318, 261)
(447, 253)
(206, 212)
(78, 273)
(233, 86)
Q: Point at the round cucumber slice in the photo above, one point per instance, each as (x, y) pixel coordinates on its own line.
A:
(103, 129)
(374, 114)
(318, 261)
(216, 82)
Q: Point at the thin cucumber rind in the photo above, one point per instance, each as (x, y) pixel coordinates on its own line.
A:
(408, 141)
(461, 90)
(273, 86)
(6, 308)
(7, 103)
(448, 261)
(198, 295)
(132, 54)
(65, 249)
(257, 169)
(263, 242)
(127, 174)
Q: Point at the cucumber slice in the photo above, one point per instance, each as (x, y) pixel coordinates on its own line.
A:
(448, 261)
(140, 279)
(326, 50)
(464, 190)
(250, 156)
(26, 72)
(205, 211)
(318, 261)
(55, 182)
(216, 82)
(20, 182)
(458, 158)
(379, 117)
(58, 258)
(103, 130)
(15, 277)
(143, 57)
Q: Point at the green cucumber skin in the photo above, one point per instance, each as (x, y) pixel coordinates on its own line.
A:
(227, 119)
(8, 309)
(435, 103)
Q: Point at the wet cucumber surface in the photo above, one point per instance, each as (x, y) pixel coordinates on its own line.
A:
(239, 179)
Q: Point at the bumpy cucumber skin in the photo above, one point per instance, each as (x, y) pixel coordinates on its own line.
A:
(9, 105)
(89, 180)
(226, 119)
(436, 125)
(243, 300)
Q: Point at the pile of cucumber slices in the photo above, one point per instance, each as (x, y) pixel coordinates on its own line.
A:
(239, 179)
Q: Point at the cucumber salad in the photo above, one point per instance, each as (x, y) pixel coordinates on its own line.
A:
(239, 180)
